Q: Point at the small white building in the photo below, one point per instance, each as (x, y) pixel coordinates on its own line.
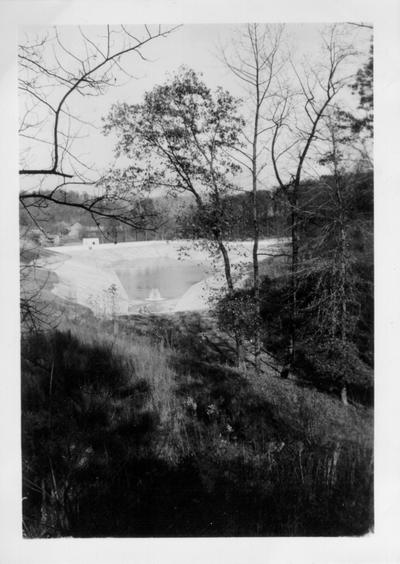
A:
(90, 242)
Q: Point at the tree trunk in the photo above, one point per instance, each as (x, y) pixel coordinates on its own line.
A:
(342, 294)
(256, 235)
(43, 506)
(343, 322)
(343, 395)
(343, 276)
(228, 275)
(293, 275)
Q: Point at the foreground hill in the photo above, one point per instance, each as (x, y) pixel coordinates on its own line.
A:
(129, 430)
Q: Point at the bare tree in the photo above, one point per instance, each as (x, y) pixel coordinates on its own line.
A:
(255, 63)
(361, 24)
(51, 73)
(336, 256)
(297, 119)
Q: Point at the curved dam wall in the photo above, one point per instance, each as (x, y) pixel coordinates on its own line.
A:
(83, 281)
(89, 276)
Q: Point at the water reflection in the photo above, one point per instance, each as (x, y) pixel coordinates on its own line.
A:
(155, 279)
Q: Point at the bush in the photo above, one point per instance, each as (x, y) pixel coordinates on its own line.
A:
(237, 310)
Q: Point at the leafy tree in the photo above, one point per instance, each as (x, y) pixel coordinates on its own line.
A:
(180, 138)
(363, 88)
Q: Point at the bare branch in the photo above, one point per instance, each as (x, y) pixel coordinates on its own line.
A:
(85, 78)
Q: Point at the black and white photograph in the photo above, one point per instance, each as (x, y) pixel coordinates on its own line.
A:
(196, 274)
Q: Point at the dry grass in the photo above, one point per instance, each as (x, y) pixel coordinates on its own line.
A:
(225, 452)
(319, 417)
(147, 361)
(306, 412)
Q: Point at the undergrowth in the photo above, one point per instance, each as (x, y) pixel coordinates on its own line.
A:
(132, 435)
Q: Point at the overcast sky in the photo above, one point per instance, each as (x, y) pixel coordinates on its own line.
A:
(197, 46)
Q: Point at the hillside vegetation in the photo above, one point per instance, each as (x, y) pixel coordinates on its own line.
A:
(130, 435)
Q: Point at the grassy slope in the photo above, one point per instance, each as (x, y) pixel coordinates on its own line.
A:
(303, 412)
(220, 452)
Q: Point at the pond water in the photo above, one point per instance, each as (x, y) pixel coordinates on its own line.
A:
(155, 279)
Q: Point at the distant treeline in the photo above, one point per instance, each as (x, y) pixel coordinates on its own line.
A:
(167, 218)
